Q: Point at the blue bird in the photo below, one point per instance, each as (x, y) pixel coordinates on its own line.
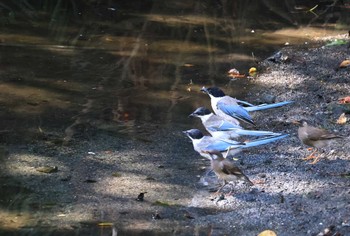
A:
(204, 144)
(219, 128)
(231, 109)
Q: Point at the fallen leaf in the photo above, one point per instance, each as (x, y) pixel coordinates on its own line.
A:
(252, 70)
(344, 64)
(234, 73)
(344, 100)
(47, 169)
(337, 42)
(104, 224)
(267, 233)
(342, 119)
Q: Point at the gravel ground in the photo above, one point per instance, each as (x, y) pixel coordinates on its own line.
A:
(99, 179)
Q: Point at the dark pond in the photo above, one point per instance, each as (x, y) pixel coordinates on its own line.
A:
(76, 67)
(112, 65)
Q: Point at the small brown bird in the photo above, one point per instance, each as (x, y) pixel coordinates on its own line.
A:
(226, 170)
(314, 137)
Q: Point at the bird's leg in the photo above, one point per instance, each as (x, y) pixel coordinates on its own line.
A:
(231, 191)
(208, 172)
(316, 159)
(311, 156)
(221, 187)
(228, 150)
(258, 181)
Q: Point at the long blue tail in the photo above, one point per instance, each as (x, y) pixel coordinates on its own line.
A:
(255, 132)
(263, 141)
(267, 106)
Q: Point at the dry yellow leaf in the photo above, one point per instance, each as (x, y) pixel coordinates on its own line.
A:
(267, 233)
(344, 64)
(252, 70)
(342, 119)
(104, 224)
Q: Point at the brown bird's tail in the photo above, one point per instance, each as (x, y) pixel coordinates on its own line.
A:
(246, 179)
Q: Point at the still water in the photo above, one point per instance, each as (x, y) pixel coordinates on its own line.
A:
(72, 68)
(108, 66)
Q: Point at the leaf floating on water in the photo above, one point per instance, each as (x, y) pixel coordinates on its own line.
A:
(312, 10)
(267, 233)
(342, 119)
(47, 169)
(344, 64)
(104, 224)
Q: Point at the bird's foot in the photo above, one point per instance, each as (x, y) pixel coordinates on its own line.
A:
(311, 156)
(258, 181)
(316, 159)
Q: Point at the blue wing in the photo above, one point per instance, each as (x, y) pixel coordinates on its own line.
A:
(222, 146)
(224, 126)
(244, 103)
(236, 111)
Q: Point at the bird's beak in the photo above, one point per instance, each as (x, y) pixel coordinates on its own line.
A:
(192, 115)
(296, 122)
(185, 132)
(204, 89)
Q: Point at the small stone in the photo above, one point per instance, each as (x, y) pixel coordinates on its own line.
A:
(262, 175)
(140, 197)
(116, 174)
(156, 216)
(268, 98)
